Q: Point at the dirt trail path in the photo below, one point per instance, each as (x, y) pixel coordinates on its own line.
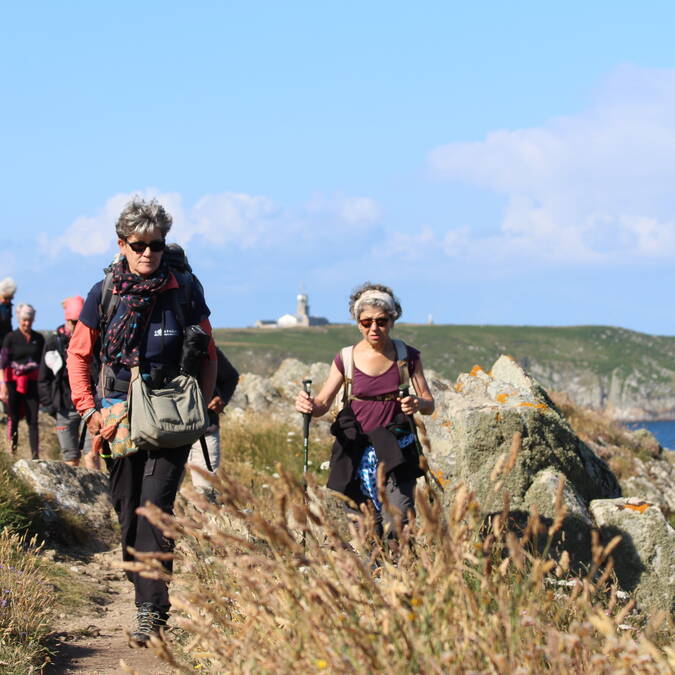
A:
(93, 642)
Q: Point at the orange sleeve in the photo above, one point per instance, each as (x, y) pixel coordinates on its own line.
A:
(205, 324)
(80, 354)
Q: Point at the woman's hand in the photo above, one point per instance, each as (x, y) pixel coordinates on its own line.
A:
(94, 424)
(410, 405)
(217, 405)
(304, 403)
(4, 395)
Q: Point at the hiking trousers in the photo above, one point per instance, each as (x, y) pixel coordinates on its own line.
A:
(29, 403)
(68, 427)
(146, 476)
(401, 498)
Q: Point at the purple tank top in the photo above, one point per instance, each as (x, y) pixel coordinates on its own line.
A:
(372, 414)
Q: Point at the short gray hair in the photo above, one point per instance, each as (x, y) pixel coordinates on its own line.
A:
(7, 287)
(25, 310)
(141, 217)
(354, 304)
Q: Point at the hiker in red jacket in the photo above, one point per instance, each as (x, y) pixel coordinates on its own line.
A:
(139, 313)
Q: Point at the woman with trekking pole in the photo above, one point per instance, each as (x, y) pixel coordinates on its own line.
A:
(19, 367)
(373, 426)
(143, 322)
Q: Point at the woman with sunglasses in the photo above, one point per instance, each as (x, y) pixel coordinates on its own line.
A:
(363, 428)
(143, 328)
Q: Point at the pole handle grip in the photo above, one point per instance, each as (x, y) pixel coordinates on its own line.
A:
(307, 386)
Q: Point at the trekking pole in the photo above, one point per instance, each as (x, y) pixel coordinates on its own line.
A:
(307, 384)
(403, 392)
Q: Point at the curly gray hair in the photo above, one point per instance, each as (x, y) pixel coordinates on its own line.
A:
(374, 295)
(140, 217)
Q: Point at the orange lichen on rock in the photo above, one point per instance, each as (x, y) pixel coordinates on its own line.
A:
(641, 507)
(527, 404)
(475, 370)
(458, 386)
(439, 476)
(501, 398)
(447, 424)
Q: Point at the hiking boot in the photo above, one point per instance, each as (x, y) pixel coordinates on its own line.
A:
(150, 621)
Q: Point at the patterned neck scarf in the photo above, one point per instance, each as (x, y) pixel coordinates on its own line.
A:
(123, 336)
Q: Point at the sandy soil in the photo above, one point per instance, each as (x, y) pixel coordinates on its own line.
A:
(94, 642)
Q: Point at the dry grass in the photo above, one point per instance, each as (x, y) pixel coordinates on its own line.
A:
(264, 443)
(272, 584)
(27, 602)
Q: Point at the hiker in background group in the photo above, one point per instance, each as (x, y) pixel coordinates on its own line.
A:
(371, 427)
(7, 292)
(226, 383)
(19, 366)
(54, 388)
(139, 313)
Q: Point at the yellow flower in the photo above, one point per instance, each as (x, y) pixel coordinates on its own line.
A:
(416, 601)
(321, 664)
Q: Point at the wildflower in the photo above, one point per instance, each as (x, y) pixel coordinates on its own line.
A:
(321, 664)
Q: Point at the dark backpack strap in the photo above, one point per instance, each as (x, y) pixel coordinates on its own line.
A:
(109, 303)
(182, 297)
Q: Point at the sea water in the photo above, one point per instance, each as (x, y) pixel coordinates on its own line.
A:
(664, 430)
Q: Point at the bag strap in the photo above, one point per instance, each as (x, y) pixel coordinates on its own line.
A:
(402, 362)
(347, 354)
(182, 298)
(205, 452)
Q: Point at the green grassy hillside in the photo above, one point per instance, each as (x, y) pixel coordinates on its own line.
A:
(452, 349)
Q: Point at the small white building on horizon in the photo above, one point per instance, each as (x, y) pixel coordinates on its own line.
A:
(301, 318)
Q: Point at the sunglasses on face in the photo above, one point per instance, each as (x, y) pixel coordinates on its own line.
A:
(381, 322)
(155, 246)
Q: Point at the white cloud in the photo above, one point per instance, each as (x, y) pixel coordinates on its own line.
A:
(357, 211)
(224, 219)
(229, 218)
(92, 235)
(596, 186)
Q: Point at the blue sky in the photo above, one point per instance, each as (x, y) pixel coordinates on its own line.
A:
(493, 162)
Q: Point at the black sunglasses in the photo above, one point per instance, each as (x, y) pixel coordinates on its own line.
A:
(380, 321)
(155, 246)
